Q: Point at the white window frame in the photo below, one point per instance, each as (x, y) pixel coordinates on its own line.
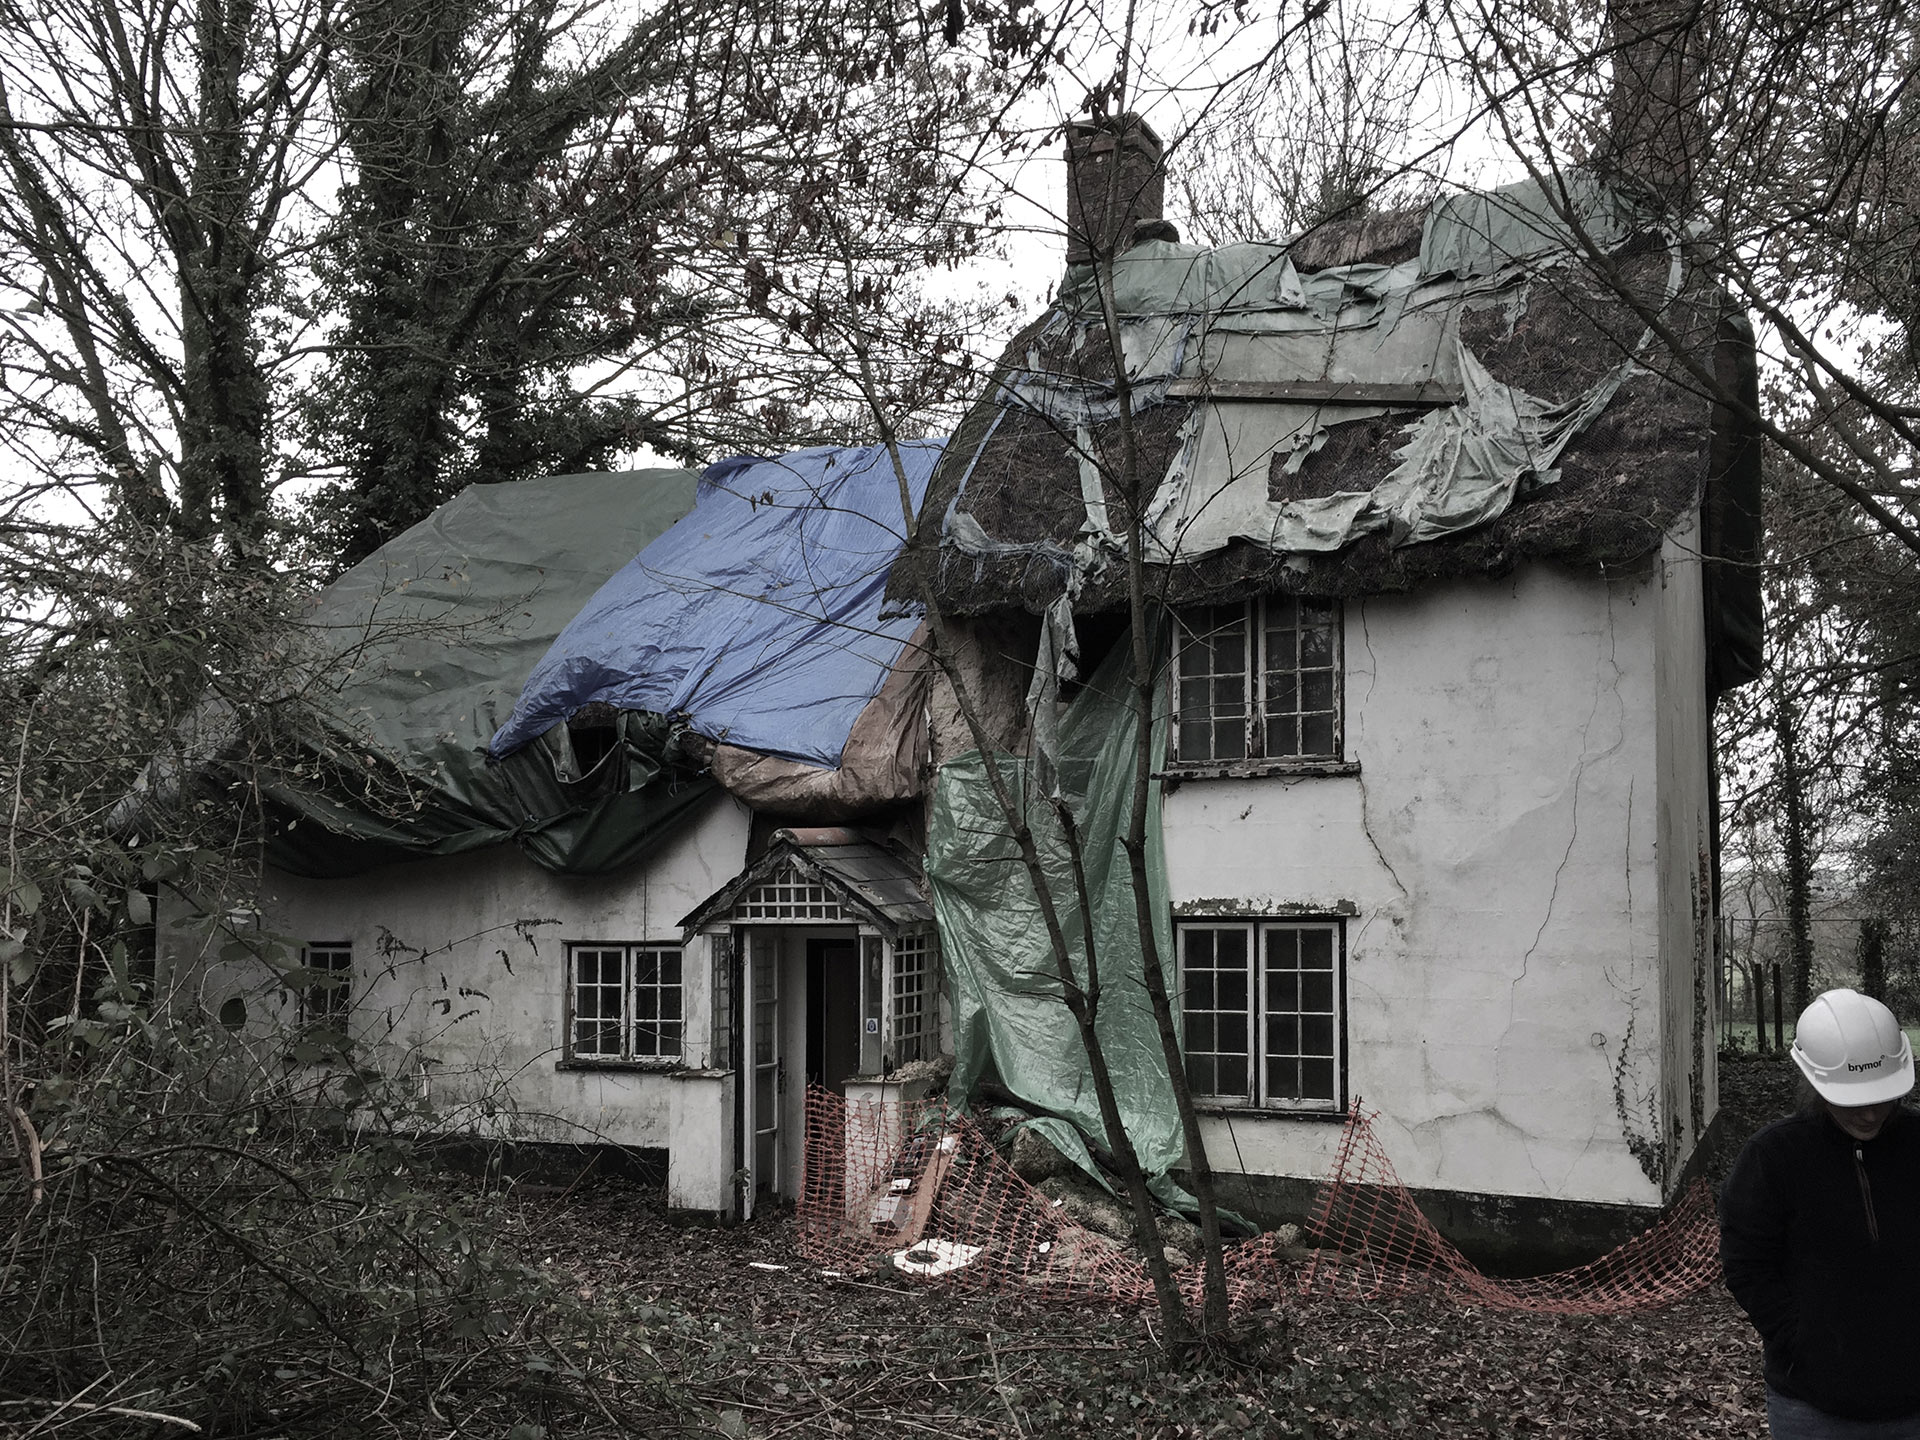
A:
(326, 1006)
(644, 1032)
(1262, 705)
(1265, 1016)
(915, 997)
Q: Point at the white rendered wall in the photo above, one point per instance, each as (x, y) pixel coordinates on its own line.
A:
(1499, 858)
(480, 1015)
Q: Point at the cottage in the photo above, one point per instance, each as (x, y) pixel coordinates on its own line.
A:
(1449, 552)
(1457, 553)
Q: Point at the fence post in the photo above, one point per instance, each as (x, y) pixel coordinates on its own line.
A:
(1779, 1026)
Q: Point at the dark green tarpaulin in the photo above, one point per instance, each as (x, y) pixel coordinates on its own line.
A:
(419, 653)
(1008, 1016)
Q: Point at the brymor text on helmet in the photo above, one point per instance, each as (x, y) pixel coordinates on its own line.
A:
(1870, 1065)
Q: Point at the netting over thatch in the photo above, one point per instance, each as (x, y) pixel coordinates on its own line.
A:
(920, 1189)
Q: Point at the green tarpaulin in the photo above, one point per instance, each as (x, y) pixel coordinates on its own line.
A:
(1009, 1019)
(418, 654)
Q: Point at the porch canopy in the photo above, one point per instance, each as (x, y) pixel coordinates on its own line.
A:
(823, 875)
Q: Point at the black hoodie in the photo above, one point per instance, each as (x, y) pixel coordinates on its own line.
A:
(1820, 1244)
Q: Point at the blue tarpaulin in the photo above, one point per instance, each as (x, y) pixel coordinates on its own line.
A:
(757, 615)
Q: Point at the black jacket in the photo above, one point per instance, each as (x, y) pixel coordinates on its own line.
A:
(1821, 1247)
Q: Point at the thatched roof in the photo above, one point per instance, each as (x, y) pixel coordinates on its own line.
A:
(1279, 352)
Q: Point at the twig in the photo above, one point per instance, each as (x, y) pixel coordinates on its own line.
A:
(998, 1389)
(28, 1139)
(159, 1417)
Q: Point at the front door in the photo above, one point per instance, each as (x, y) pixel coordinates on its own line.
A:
(833, 1013)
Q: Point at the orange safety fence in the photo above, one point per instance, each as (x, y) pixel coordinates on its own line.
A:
(920, 1188)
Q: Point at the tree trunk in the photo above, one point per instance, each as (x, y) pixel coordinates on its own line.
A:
(223, 392)
(1795, 825)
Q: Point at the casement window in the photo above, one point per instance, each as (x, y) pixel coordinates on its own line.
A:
(326, 990)
(1263, 1012)
(1258, 680)
(624, 1003)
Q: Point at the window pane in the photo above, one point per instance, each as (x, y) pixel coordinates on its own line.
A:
(1300, 1023)
(1200, 1075)
(1316, 1079)
(1316, 735)
(1230, 741)
(1283, 1079)
(1214, 683)
(1230, 950)
(1231, 1036)
(1300, 668)
(1214, 964)
(1283, 1035)
(1316, 949)
(1316, 690)
(1283, 692)
(1316, 1035)
(1232, 1081)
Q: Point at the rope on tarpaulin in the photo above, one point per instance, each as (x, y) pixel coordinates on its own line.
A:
(919, 1188)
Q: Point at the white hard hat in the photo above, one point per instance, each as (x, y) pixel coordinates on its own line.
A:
(1852, 1050)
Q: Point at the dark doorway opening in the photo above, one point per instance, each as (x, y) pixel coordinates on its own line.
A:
(833, 1012)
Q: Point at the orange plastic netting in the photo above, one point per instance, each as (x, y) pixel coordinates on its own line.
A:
(920, 1188)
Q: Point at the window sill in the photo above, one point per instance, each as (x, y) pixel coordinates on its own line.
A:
(643, 1067)
(1261, 1112)
(1256, 769)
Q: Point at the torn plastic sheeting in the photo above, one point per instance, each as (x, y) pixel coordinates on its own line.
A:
(1163, 277)
(1154, 349)
(880, 764)
(1461, 467)
(758, 616)
(421, 648)
(1421, 344)
(1008, 1015)
(1482, 232)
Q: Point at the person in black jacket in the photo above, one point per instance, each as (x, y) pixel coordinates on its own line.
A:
(1820, 1233)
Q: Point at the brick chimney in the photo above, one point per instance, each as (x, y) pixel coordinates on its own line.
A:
(1657, 136)
(1116, 188)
